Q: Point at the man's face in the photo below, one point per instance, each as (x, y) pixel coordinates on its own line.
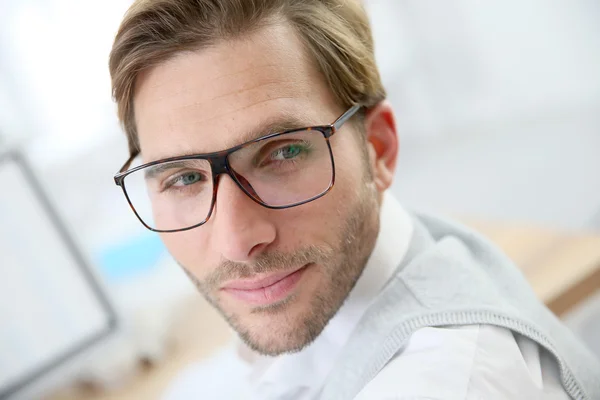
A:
(277, 276)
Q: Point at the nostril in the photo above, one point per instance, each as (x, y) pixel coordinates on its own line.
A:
(257, 249)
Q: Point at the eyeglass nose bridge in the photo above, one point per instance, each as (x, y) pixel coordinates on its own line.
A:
(220, 165)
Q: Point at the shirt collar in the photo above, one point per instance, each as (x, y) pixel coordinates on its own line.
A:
(302, 374)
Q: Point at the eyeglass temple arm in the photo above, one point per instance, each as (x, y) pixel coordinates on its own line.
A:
(345, 117)
(129, 161)
(125, 167)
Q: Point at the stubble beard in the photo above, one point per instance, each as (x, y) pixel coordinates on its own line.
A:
(340, 269)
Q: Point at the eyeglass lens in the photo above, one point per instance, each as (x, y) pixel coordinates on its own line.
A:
(278, 172)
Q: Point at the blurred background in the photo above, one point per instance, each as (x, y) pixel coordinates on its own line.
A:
(498, 109)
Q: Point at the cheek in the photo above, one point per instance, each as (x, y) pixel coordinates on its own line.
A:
(351, 155)
(351, 169)
(326, 216)
(318, 222)
(309, 224)
(191, 250)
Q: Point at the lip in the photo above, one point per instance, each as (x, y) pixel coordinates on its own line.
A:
(253, 284)
(265, 290)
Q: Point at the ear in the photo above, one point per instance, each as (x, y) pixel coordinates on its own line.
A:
(382, 143)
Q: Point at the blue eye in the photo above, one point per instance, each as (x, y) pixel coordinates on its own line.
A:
(287, 153)
(189, 178)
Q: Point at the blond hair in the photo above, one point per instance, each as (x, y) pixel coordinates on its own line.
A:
(336, 34)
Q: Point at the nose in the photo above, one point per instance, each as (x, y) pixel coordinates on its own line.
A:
(240, 227)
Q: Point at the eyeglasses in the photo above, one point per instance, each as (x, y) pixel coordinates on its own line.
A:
(279, 170)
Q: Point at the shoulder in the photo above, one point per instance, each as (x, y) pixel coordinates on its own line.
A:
(467, 362)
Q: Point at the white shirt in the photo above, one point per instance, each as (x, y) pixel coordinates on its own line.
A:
(459, 362)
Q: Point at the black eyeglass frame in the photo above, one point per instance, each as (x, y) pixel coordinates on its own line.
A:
(219, 162)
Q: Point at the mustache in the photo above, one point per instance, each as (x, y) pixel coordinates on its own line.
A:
(274, 261)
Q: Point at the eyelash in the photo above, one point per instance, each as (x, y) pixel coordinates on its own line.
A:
(173, 179)
(305, 146)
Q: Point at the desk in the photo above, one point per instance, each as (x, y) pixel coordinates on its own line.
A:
(563, 269)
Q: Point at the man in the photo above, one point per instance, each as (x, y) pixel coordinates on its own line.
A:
(261, 149)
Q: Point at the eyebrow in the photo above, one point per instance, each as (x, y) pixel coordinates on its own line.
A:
(281, 123)
(277, 125)
(155, 170)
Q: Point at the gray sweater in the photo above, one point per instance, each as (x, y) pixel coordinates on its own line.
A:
(454, 276)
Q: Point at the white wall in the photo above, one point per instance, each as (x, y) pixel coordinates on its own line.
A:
(497, 106)
(496, 102)
(451, 65)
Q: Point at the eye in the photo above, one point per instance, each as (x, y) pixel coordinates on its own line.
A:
(286, 153)
(188, 178)
(282, 152)
(185, 179)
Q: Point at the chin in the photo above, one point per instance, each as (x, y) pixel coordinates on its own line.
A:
(284, 327)
(273, 345)
(276, 342)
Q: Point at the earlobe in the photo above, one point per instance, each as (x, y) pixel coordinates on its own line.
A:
(382, 139)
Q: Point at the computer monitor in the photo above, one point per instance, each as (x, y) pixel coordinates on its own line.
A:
(52, 307)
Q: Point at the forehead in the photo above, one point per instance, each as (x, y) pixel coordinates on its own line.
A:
(208, 100)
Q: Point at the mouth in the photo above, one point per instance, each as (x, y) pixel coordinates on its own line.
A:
(265, 290)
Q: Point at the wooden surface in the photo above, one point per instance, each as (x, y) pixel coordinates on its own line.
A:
(563, 269)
